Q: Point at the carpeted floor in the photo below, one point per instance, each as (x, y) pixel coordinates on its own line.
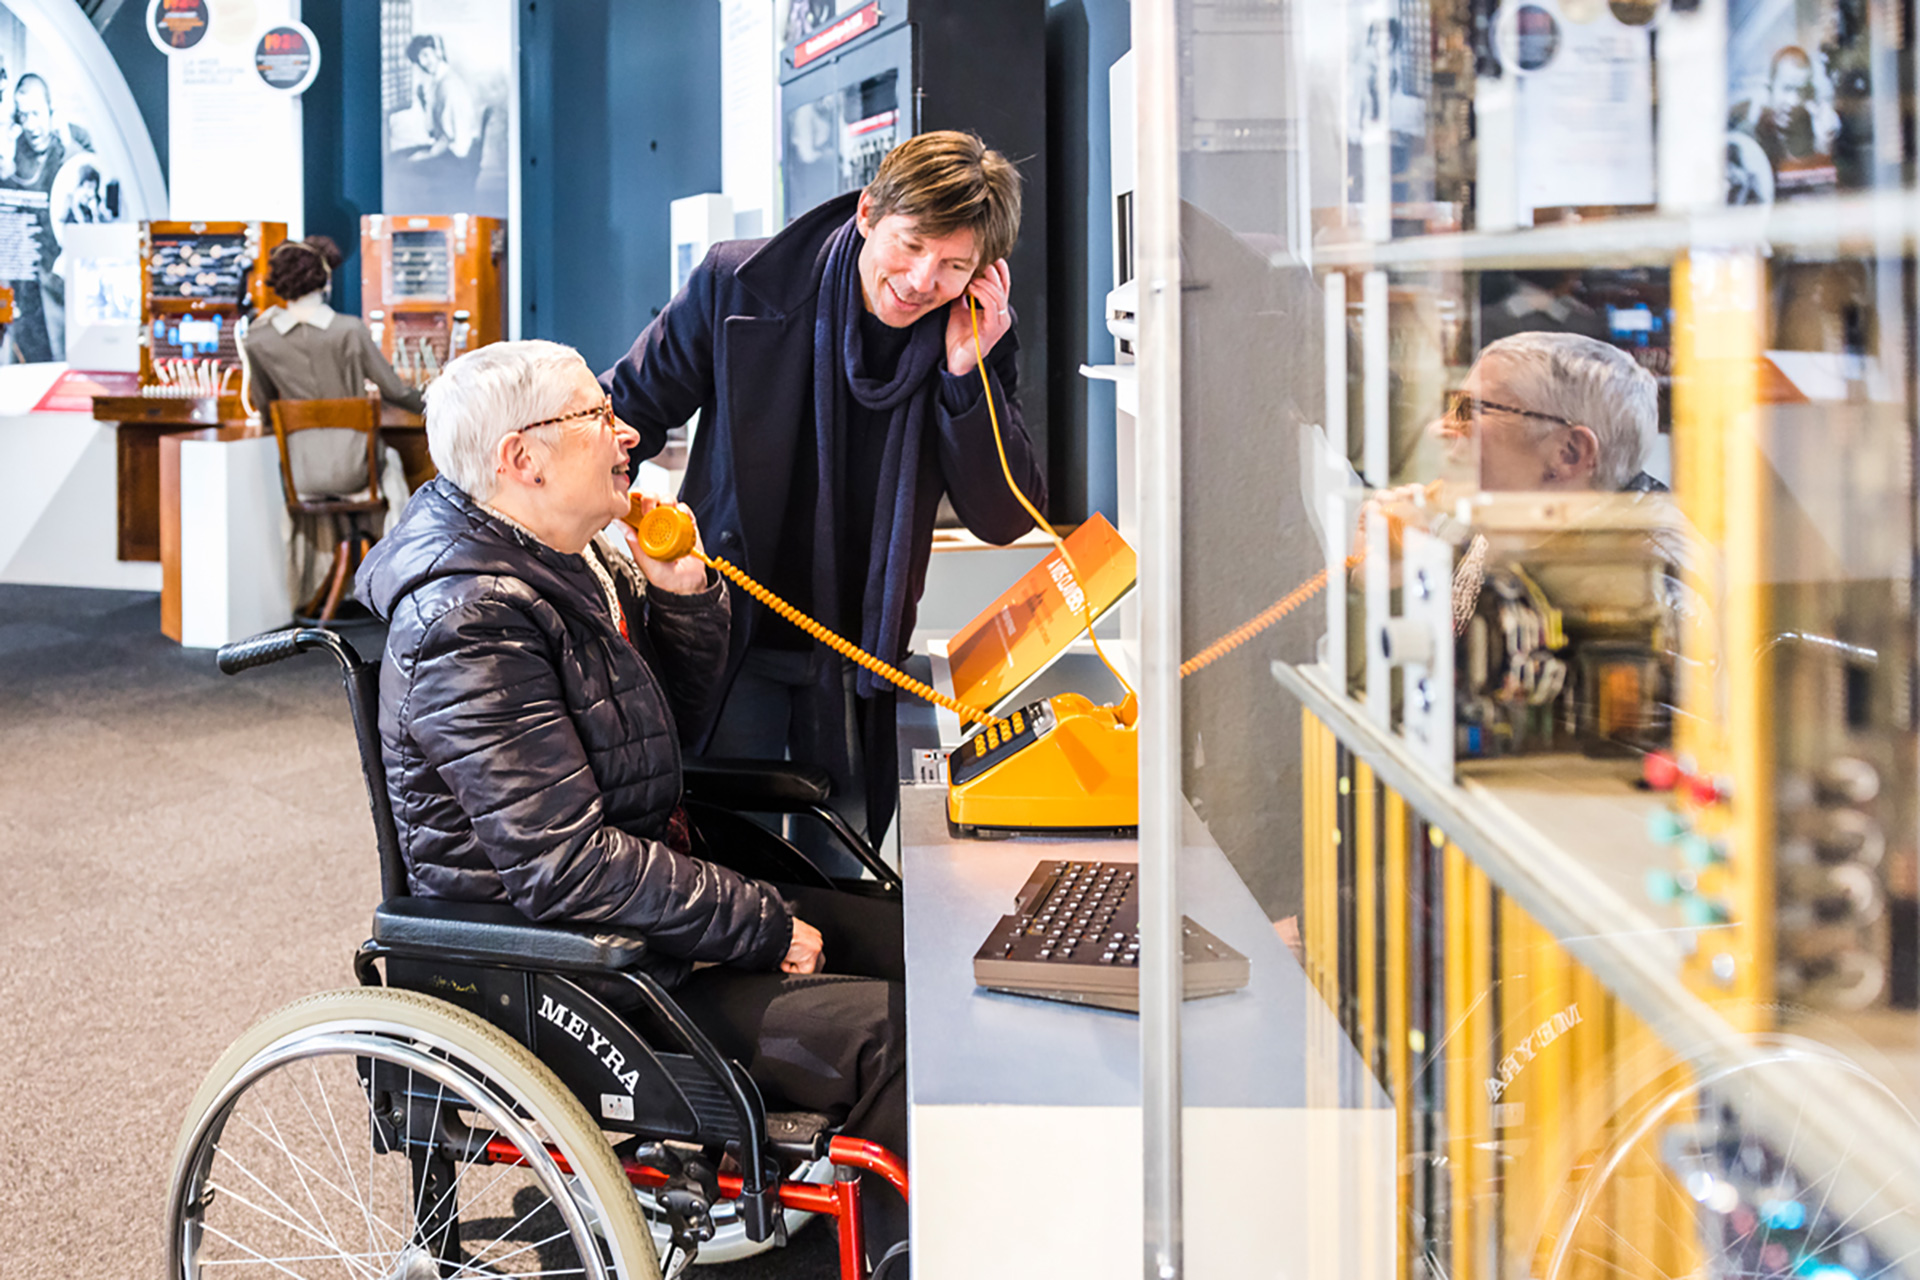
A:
(182, 852)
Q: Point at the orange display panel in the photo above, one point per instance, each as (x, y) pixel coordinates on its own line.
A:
(433, 287)
(1032, 622)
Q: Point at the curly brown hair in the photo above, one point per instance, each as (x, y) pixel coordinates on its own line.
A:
(297, 268)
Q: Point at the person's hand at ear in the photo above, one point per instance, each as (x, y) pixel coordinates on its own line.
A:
(683, 576)
(1573, 459)
(989, 294)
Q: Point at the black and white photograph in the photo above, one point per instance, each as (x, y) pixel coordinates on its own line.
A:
(1799, 92)
(445, 86)
(51, 177)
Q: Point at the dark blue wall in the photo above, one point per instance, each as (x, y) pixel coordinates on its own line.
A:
(340, 124)
(1084, 39)
(143, 67)
(620, 115)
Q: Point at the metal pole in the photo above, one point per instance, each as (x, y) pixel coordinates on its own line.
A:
(1157, 205)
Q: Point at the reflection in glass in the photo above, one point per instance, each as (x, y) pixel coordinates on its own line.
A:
(1571, 341)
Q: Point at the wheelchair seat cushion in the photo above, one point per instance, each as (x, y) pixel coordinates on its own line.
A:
(756, 786)
(495, 931)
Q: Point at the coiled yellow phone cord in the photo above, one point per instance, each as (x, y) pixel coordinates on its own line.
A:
(1260, 621)
(845, 648)
(666, 533)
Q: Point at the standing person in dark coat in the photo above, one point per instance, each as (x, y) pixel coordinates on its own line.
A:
(532, 698)
(834, 372)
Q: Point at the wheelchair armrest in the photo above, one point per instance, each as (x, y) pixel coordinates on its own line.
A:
(495, 931)
(756, 786)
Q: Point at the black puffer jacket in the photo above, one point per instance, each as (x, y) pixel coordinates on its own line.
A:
(532, 752)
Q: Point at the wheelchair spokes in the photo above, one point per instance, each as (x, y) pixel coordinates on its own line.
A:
(362, 1153)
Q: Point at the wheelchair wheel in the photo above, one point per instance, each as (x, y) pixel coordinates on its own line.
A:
(391, 1136)
(1687, 1186)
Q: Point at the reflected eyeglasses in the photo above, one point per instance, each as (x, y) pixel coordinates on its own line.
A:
(1463, 408)
(602, 411)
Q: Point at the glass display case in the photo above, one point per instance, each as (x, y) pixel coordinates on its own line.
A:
(1555, 359)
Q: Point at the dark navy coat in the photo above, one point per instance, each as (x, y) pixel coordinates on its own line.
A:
(736, 344)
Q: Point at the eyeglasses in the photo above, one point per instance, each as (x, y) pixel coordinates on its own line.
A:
(1463, 408)
(602, 411)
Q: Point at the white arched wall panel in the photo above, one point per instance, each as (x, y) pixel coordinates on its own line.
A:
(77, 62)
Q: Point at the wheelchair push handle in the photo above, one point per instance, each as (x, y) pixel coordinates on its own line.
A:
(271, 646)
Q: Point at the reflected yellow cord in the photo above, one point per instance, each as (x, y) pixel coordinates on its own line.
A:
(1261, 621)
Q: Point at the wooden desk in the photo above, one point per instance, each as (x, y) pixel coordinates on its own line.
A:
(149, 437)
(143, 423)
(406, 434)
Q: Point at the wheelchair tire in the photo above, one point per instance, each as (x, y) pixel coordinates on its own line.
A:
(283, 1159)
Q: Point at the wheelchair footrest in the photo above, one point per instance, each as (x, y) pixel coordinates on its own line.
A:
(800, 1131)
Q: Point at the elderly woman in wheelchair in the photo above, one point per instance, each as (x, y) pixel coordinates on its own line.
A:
(567, 996)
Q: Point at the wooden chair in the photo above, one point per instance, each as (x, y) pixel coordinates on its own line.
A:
(352, 515)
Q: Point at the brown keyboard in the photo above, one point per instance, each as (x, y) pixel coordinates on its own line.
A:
(1074, 935)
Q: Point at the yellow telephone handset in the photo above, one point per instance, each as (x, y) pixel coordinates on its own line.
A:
(665, 533)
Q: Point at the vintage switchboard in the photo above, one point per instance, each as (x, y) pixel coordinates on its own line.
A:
(433, 287)
(198, 281)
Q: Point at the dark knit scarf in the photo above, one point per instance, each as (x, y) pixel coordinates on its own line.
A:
(907, 400)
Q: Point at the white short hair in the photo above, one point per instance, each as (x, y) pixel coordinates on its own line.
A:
(487, 393)
(1587, 382)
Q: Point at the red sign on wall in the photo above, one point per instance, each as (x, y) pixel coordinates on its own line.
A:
(848, 28)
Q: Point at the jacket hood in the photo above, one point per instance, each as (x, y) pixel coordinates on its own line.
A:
(445, 534)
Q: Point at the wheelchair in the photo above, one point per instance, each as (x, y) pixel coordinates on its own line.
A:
(476, 1107)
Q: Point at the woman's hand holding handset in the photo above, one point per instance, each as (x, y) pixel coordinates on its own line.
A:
(686, 575)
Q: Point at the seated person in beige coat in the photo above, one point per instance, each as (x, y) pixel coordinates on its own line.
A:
(305, 350)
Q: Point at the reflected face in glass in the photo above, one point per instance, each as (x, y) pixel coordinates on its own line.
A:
(1791, 87)
(1496, 440)
(905, 274)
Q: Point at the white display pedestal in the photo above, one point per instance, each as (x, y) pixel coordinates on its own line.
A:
(233, 542)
